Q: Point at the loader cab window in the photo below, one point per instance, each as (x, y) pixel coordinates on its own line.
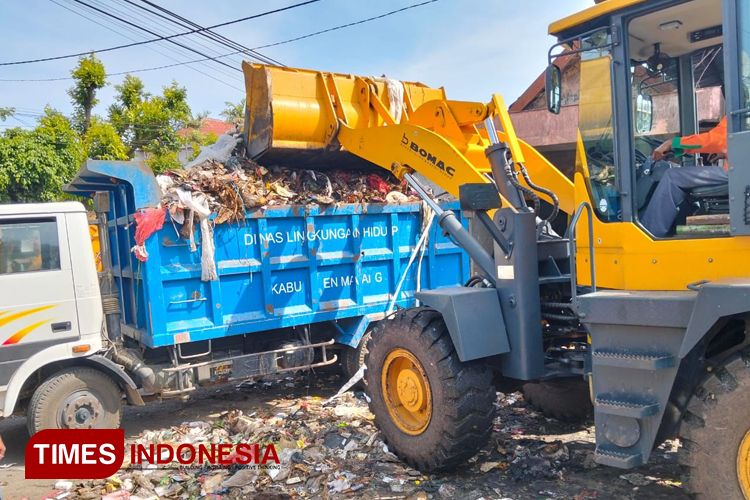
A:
(676, 66)
(743, 19)
(595, 124)
(28, 245)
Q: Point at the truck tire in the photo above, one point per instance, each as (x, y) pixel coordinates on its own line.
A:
(433, 411)
(354, 358)
(567, 400)
(76, 398)
(715, 433)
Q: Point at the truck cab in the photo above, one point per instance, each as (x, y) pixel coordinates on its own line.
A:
(50, 304)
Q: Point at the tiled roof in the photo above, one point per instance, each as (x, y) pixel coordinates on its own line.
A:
(208, 126)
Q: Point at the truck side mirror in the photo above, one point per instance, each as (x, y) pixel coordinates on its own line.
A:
(644, 113)
(553, 87)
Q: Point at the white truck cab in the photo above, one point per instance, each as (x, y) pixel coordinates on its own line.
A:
(50, 303)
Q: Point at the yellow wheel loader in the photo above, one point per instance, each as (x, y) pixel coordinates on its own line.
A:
(657, 325)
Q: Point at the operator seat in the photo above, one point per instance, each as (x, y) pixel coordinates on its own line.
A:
(711, 200)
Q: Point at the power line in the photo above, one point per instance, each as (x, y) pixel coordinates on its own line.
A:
(137, 26)
(109, 49)
(235, 52)
(108, 74)
(171, 26)
(175, 50)
(164, 28)
(346, 25)
(210, 34)
(133, 39)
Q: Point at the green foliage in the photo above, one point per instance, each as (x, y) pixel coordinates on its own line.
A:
(234, 112)
(6, 113)
(150, 123)
(102, 142)
(162, 161)
(89, 77)
(34, 164)
(195, 139)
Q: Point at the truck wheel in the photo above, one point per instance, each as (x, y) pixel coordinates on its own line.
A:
(434, 411)
(354, 357)
(77, 398)
(715, 433)
(567, 400)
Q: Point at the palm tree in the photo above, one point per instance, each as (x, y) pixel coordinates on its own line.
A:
(234, 112)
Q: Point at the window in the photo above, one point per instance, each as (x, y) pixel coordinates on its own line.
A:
(743, 17)
(28, 245)
(595, 124)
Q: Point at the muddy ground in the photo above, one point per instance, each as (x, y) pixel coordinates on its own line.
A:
(528, 456)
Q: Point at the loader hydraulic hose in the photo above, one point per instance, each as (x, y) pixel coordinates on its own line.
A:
(551, 194)
(512, 175)
(505, 179)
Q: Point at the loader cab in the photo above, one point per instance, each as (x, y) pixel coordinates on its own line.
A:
(651, 71)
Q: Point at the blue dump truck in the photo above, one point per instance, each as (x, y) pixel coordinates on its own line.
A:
(298, 287)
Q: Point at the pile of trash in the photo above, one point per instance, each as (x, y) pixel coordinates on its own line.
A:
(324, 448)
(330, 449)
(232, 185)
(221, 183)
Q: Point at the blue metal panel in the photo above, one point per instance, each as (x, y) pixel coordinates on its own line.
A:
(279, 267)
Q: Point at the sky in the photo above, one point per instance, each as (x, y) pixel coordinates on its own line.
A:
(472, 48)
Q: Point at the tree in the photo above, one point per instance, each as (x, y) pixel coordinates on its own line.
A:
(102, 142)
(34, 164)
(234, 113)
(89, 76)
(149, 122)
(6, 113)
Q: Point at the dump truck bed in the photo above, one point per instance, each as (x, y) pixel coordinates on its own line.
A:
(278, 267)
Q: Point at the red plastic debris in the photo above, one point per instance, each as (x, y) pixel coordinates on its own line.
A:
(377, 183)
(147, 222)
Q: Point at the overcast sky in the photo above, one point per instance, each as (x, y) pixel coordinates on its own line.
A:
(473, 48)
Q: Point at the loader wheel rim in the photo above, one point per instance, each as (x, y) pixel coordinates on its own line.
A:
(743, 465)
(406, 391)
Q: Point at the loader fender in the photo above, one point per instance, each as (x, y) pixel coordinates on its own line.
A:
(106, 365)
(716, 299)
(474, 320)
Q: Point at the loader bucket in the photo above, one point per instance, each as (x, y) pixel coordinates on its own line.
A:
(293, 115)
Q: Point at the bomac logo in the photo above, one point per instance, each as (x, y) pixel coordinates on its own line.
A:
(427, 156)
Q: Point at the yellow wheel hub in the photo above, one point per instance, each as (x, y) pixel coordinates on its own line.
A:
(406, 392)
(743, 465)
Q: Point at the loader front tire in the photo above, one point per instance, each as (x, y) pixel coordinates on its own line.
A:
(567, 400)
(433, 411)
(715, 433)
(75, 398)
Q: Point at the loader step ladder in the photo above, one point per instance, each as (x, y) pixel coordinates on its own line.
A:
(613, 404)
(628, 359)
(635, 344)
(614, 457)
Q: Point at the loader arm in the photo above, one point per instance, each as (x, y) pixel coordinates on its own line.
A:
(309, 118)
(414, 147)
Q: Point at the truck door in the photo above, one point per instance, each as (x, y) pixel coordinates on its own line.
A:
(37, 300)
